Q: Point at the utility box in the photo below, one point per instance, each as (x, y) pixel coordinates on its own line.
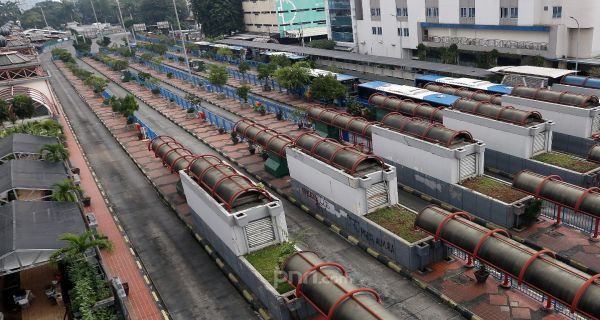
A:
(580, 122)
(359, 194)
(451, 163)
(520, 140)
(249, 228)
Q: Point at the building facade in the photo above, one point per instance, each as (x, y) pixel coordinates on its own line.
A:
(519, 27)
(285, 18)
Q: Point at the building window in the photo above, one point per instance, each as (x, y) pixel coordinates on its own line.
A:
(379, 30)
(463, 12)
(503, 13)
(557, 12)
(514, 13)
(432, 12)
(402, 12)
(376, 30)
(471, 12)
(406, 32)
(399, 31)
(376, 12)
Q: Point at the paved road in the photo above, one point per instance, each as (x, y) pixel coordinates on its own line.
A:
(189, 282)
(399, 294)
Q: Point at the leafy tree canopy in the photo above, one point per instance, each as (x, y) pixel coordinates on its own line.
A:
(219, 17)
(218, 76)
(293, 77)
(327, 88)
(9, 11)
(322, 44)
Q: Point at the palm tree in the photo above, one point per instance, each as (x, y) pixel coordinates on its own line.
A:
(54, 152)
(65, 191)
(79, 244)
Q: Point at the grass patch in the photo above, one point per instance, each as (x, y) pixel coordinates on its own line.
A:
(566, 161)
(398, 221)
(494, 188)
(267, 262)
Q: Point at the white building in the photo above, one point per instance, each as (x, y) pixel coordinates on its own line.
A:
(285, 18)
(523, 27)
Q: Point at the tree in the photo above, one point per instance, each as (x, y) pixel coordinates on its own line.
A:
(98, 84)
(218, 76)
(153, 11)
(242, 92)
(280, 60)
(219, 17)
(54, 152)
(83, 44)
(57, 13)
(4, 112)
(243, 68)
(119, 65)
(65, 191)
(326, 88)
(225, 52)
(128, 106)
(322, 44)
(422, 51)
(104, 42)
(293, 78)
(450, 55)
(79, 244)
(265, 72)
(9, 11)
(115, 104)
(23, 106)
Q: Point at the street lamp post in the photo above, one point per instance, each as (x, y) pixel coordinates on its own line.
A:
(577, 50)
(187, 62)
(123, 24)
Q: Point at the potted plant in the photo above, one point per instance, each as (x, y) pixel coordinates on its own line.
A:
(481, 274)
(180, 59)
(155, 91)
(130, 123)
(140, 136)
(221, 130)
(279, 114)
(86, 201)
(169, 75)
(299, 117)
(234, 137)
(242, 92)
(171, 102)
(251, 148)
(191, 113)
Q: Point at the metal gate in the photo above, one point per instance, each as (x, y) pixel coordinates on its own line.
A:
(596, 125)
(260, 232)
(377, 195)
(539, 143)
(468, 167)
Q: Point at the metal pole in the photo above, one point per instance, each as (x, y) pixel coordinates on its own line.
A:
(577, 50)
(44, 16)
(123, 25)
(94, 10)
(187, 62)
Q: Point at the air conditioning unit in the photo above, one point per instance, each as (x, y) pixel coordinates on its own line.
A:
(91, 220)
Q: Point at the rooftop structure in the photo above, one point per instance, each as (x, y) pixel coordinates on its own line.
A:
(20, 146)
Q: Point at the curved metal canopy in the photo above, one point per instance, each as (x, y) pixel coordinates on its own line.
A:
(566, 98)
(342, 120)
(432, 132)
(494, 111)
(551, 188)
(325, 285)
(406, 107)
(545, 274)
(594, 154)
(464, 93)
(222, 181)
(331, 152)
(267, 138)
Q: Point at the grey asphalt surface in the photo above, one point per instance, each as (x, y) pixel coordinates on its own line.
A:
(189, 282)
(400, 295)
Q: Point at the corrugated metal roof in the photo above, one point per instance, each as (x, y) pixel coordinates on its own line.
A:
(31, 174)
(29, 231)
(341, 55)
(13, 57)
(533, 71)
(24, 143)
